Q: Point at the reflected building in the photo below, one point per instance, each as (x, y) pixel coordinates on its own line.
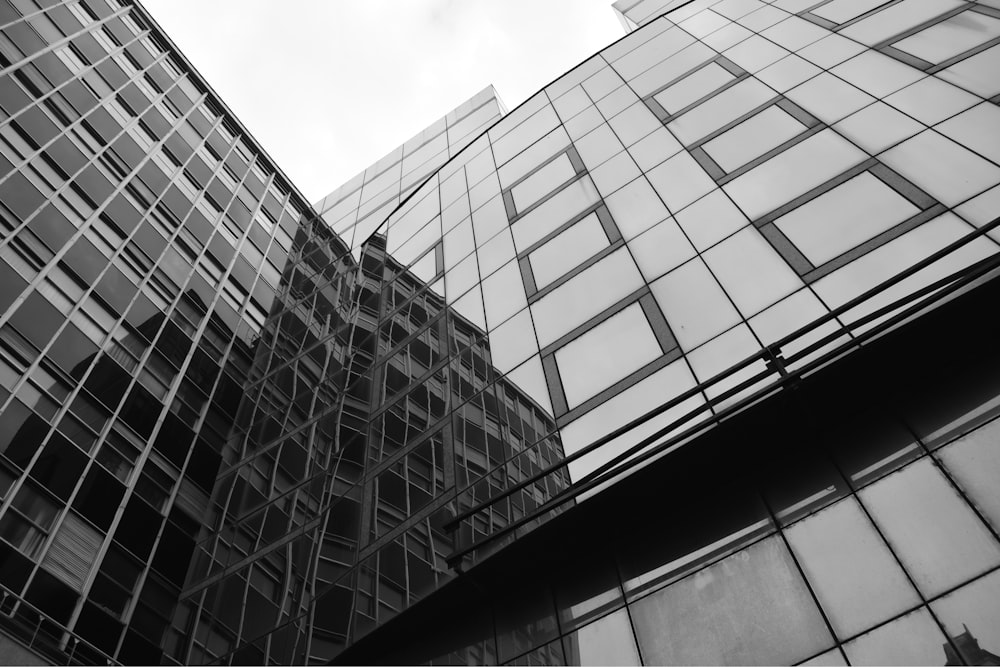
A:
(674, 341)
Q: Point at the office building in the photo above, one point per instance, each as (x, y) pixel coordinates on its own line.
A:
(687, 359)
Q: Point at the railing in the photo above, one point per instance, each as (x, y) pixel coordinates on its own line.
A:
(40, 633)
(777, 365)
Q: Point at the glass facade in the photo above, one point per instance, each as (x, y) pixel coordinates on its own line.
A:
(656, 340)
(142, 234)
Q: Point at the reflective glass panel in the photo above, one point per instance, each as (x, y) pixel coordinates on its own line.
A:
(693, 87)
(844, 217)
(951, 37)
(914, 639)
(607, 353)
(608, 641)
(542, 182)
(940, 541)
(749, 608)
(561, 253)
(974, 462)
(851, 570)
(971, 617)
(752, 138)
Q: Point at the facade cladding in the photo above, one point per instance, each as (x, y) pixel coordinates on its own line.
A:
(660, 367)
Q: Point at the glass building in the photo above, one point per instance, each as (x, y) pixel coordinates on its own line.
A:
(688, 359)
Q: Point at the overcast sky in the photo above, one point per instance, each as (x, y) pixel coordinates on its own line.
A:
(329, 86)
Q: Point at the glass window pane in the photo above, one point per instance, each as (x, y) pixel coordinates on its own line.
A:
(693, 87)
(554, 213)
(752, 138)
(719, 110)
(574, 245)
(951, 37)
(585, 295)
(940, 541)
(971, 617)
(636, 208)
(751, 272)
(844, 217)
(851, 570)
(842, 11)
(661, 249)
(750, 608)
(607, 353)
(896, 19)
(945, 170)
(914, 639)
(793, 172)
(974, 462)
(608, 641)
(695, 306)
(503, 294)
(542, 182)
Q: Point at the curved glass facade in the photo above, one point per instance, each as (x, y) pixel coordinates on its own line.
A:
(656, 367)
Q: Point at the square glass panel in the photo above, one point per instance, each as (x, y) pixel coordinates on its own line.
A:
(897, 18)
(935, 534)
(588, 293)
(914, 639)
(542, 182)
(564, 252)
(858, 582)
(661, 249)
(792, 173)
(945, 170)
(749, 608)
(845, 217)
(610, 351)
(608, 641)
(554, 213)
(752, 138)
(951, 37)
(751, 272)
(503, 294)
(695, 306)
(974, 462)
(971, 617)
(717, 111)
(842, 11)
(693, 87)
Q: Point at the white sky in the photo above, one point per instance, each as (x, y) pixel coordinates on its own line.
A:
(329, 86)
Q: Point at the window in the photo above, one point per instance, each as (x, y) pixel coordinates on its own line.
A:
(28, 521)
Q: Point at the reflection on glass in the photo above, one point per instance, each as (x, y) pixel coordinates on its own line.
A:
(971, 617)
(608, 641)
(940, 541)
(914, 639)
(850, 568)
(749, 608)
(525, 620)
